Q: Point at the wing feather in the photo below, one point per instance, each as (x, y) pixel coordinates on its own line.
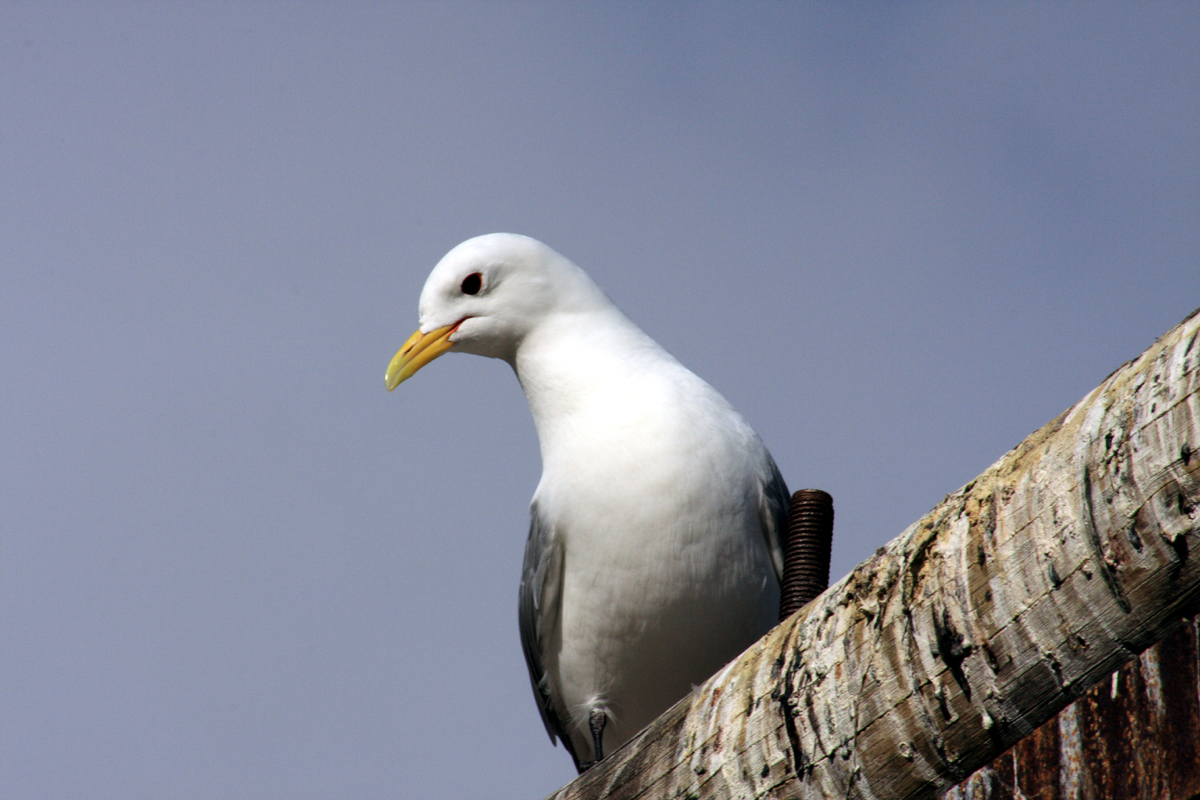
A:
(772, 514)
(538, 610)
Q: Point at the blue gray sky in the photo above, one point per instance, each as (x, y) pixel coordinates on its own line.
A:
(898, 237)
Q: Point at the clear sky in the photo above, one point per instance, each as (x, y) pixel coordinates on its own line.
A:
(898, 237)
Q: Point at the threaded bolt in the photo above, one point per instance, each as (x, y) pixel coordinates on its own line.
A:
(806, 552)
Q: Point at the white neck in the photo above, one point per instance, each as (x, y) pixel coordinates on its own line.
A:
(585, 363)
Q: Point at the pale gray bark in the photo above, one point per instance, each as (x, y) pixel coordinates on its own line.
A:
(1075, 551)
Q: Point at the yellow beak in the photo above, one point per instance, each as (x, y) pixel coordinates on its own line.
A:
(419, 350)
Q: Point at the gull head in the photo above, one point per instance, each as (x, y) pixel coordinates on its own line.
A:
(486, 295)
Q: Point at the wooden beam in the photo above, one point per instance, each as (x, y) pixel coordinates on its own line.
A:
(1075, 551)
(1134, 735)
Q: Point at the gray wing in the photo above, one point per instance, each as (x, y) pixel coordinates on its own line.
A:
(538, 617)
(772, 513)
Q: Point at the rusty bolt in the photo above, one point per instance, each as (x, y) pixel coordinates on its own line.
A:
(807, 549)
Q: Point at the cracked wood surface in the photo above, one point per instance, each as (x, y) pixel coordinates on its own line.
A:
(1069, 555)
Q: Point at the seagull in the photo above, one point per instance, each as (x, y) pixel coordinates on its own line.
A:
(653, 556)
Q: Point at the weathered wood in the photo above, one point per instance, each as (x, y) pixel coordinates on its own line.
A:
(1134, 735)
(1071, 554)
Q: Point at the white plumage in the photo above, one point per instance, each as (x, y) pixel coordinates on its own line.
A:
(654, 548)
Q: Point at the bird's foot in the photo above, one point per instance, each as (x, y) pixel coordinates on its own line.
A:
(596, 722)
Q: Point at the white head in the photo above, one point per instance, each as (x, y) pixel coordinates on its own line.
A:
(486, 295)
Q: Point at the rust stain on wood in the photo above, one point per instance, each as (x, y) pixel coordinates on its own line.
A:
(1135, 735)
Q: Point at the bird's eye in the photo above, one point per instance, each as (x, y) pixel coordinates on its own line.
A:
(472, 283)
